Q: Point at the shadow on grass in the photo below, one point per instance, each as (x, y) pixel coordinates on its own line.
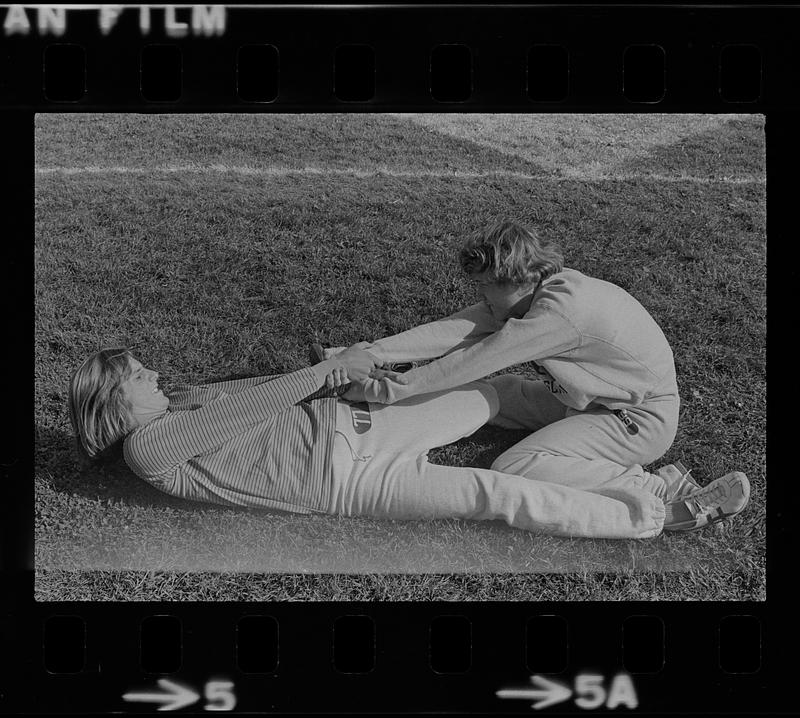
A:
(737, 147)
(56, 459)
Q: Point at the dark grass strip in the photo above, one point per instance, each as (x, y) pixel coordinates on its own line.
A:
(589, 586)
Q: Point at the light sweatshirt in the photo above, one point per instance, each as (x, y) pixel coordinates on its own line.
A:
(262, 442)
(589, 340)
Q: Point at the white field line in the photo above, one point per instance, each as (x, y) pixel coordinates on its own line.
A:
(395, 173)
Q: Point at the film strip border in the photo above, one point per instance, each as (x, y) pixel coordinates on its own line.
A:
(361, 58)
(72, 658)
(396, 657)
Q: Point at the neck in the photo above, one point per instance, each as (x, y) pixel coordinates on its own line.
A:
(520, 309)
(141, 418)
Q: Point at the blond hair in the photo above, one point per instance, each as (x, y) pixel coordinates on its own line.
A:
(99, 412)
(510, 253)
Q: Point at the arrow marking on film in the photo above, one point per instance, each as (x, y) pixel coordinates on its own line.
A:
(177, 696)
(547, 694)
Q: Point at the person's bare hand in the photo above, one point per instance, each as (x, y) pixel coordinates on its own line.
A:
(357, 362)
(338, 377)
(387, 374)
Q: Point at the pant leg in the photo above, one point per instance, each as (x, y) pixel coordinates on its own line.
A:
(410, 427)
(592, 450)
(411, 488)
(420, 423)
(384, 472)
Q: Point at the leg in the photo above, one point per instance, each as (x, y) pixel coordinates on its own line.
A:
(420, 423)
(593, 451)
(384, 472)
(407, 487)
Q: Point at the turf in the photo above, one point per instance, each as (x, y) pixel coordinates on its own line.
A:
(235, 241)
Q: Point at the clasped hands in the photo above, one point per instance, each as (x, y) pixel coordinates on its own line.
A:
(356, 366)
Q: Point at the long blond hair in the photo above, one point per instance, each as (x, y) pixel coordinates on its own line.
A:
(510, 253)
(99, 412)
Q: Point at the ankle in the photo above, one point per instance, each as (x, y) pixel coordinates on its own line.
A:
(675, 512)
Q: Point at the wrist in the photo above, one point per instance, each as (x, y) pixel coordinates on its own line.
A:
(324, 368)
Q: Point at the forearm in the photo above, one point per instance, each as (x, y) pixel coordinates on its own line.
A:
(456, 369)
(520, 340)
(234, 386)
(183, 435)
(435, 339)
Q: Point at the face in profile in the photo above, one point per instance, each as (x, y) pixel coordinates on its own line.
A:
(505, 300)
(141, 390)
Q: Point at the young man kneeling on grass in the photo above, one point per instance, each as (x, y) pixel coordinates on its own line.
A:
(606, 399)
(289, 442)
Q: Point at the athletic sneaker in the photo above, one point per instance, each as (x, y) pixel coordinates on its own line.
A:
(679, 481)
(721, 499)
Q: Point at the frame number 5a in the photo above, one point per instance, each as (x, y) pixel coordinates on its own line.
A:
(588, 692)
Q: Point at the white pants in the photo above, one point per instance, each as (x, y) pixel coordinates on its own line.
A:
(381, 469)
(590, 450)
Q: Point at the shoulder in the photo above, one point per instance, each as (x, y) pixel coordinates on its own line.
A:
(136, 442)
(570, 286)
(143, 448)
(560, 290)
(133, 449)
(139, 442)
(578, 298)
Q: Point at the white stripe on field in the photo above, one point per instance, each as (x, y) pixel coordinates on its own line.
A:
(400, 174)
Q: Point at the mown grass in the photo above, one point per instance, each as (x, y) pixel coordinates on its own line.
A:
(692, 585)
(213, 275)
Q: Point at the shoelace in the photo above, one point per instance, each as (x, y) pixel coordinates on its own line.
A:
(686, 484)
(686, 474)
(709, 497)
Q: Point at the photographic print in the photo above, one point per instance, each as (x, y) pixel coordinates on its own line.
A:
(400, 357)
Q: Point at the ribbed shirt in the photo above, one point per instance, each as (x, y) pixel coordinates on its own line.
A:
(263, 442)
(590, 341)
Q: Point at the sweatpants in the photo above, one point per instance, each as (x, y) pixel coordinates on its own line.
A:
(381, 469)
(591, 450)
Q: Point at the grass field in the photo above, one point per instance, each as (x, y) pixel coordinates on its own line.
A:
(220, 246)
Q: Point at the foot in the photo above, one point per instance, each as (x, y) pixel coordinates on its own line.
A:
(678, 480)
(720, 500)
